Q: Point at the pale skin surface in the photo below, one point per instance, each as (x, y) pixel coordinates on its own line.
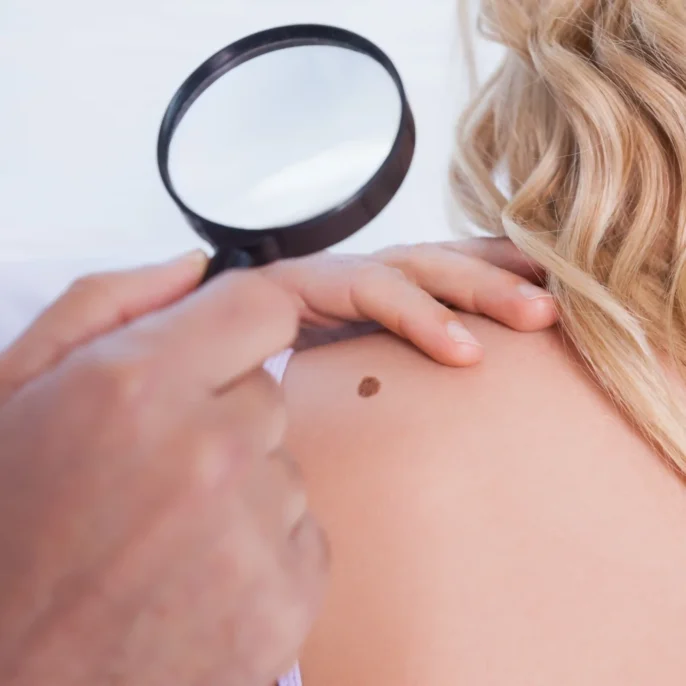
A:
(495, 525)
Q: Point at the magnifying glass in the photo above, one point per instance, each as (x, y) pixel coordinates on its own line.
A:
(299, 148)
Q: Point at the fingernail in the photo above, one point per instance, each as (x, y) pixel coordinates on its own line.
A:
(531, 292)
(460, 334)
(195, 257)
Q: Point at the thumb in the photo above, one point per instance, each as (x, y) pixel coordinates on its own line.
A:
(93, 306)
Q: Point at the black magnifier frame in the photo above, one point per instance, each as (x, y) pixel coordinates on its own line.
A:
(236, 247)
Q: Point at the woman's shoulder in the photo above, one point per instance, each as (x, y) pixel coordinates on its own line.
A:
(439, 488)
(366, 388)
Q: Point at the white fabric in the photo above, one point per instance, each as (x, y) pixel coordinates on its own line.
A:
(276, 365)
(293, 678)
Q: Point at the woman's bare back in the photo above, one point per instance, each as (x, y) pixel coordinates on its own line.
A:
(495, 525)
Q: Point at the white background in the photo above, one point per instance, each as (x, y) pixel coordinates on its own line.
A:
(84, 84)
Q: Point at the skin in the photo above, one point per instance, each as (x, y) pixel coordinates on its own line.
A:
(500, 524)
(411, 290)
(153, 526)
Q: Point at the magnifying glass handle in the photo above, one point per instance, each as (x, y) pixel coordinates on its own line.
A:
(224, 259)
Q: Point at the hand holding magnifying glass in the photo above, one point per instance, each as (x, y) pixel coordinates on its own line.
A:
(123, 547)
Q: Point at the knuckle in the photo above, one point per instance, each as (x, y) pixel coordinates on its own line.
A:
(374, 283)
(120, 379)
(471, 246)
(277, 634)
(401, 254)
(92, 287)
(213, 455)
(253, 423)
(244, 279)
(423, 254)
(369, 272)
(409, 261)
(123, 381)
(312, 565)
(253, 287)
(276, 303)
(389, 254)
(278, 423)
(289, 320)
(294, 472)
(398, 273)
(395, 254)
(301, 618)
(267, 301)
(292, 615)
(279, 271)
(423, 249)
(268, 401)
(268, 390)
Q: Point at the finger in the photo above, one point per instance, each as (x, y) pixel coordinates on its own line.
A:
(384, 295)
(252, 414)
(320, 283)
(268, 542)
(93, 306)
(500, 252)
(218, 333)
(279, 501)
(475, 286)
(270, 587)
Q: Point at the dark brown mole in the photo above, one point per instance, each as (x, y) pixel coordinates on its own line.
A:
(368, 387)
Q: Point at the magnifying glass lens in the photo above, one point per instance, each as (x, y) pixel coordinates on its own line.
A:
(286, 137)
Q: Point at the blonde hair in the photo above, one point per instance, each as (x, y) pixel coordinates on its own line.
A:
(587, 118)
